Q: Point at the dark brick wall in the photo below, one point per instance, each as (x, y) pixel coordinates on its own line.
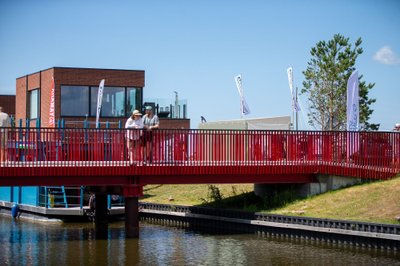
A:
(8, 104)
(92, 77)
(166, 123)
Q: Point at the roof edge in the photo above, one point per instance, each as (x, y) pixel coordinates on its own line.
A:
(84, 68)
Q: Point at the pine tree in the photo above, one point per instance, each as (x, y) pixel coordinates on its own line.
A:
(325, 84)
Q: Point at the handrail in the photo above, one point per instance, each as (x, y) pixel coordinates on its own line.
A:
(362, 154)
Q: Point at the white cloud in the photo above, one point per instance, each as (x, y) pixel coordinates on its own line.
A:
(386, 56)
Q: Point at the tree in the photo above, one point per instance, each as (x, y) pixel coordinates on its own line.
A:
(325, 84)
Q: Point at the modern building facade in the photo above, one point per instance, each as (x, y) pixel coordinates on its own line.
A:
(75, 96)
(75, 102)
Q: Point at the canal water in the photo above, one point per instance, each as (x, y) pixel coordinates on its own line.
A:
(23, 242)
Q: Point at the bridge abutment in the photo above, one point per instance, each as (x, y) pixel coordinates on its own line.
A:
(334, 182)
(325, 183)
(132, 217)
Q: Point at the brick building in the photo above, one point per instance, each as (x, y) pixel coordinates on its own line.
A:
(76, 96)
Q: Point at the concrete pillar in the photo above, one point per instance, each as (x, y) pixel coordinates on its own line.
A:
(132, 217)
(101, 216)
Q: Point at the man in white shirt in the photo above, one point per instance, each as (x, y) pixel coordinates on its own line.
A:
(4, 123)
(151, 122)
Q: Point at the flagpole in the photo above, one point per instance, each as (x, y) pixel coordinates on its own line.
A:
(241, 100)
(293, 116)
(294, 102)
(297, 113)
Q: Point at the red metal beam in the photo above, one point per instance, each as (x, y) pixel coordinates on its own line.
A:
(152, 179)
(227, 179)
(65, 181)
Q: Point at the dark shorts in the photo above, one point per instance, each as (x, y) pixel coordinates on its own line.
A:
(148, 136)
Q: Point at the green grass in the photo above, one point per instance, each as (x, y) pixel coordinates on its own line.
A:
(370, 202)
(373, 202)
(189, 194)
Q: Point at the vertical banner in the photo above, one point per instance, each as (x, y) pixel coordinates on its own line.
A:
(353, 115)
(353, 103)
(51, 109)
(290, 78)
(295, 104)
(244, 108)
(99, 101)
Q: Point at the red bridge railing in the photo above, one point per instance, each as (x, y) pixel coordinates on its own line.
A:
(105, 151)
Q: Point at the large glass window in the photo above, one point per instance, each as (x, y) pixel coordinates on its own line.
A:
(133, 100)
(34, 104)
(74, 100)
(112, 104)
(82, 101)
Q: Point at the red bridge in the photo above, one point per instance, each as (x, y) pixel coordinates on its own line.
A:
(100, 158)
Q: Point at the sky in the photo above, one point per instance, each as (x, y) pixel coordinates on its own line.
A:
(197, 47)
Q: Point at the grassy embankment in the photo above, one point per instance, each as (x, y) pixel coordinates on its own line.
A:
(369, 202)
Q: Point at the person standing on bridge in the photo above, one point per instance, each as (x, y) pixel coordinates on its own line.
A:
(134, 124)
(151, 122)
(4, 123)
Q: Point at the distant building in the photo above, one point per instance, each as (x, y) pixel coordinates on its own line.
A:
(76, 96)
(270, 123)
(8, 104)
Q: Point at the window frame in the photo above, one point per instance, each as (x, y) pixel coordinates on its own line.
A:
(29, 113)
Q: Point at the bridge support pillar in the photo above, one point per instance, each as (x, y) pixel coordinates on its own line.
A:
(101, 216)
(132, 194)
(132, 217)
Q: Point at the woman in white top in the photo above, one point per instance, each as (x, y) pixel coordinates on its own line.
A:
(134, 124)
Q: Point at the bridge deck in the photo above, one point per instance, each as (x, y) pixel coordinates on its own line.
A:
(121, 172)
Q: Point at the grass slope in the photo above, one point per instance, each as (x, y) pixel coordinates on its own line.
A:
(373, 202)
(370, 202)
(189, 194)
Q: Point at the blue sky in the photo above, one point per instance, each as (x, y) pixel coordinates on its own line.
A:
(197, 47)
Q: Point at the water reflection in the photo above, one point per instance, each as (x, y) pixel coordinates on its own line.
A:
(28, 243)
